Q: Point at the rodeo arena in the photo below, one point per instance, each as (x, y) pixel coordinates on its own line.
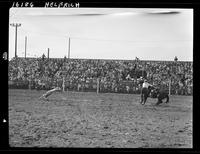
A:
(98, 103)
(73, 102)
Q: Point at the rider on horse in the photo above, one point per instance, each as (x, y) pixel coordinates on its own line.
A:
(149, 90)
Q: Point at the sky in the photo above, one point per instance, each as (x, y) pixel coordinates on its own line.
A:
(103, 33)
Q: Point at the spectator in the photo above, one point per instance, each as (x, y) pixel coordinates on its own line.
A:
(111, 73)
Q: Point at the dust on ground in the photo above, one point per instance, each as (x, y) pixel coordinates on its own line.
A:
(87, 119)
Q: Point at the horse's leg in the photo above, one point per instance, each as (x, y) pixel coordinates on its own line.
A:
(159, 101)
(167, 97)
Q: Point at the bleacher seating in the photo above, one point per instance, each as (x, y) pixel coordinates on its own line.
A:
(82, 74)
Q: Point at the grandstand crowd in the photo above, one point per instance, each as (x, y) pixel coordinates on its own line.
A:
(82, 74)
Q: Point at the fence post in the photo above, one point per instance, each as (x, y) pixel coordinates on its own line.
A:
(63, 84)
(97, 85)
(29, 84)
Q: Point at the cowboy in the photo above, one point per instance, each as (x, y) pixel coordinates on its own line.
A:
(50, 92)
(146, 84)
(145, 91)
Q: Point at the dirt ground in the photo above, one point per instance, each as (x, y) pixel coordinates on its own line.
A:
(85, 119)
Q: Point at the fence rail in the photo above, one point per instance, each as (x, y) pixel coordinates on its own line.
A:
(82, 74)
(128, 87)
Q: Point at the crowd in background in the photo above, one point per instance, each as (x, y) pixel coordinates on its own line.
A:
(82, 74)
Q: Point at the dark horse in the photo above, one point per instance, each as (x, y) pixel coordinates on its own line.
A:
(153, 93)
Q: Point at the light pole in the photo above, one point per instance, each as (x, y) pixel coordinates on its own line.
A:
(69, 48)
(16, 26)
(25, 45)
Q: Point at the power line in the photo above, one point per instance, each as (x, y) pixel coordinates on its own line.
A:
(48, 34)
(108, 40)
(131, 41)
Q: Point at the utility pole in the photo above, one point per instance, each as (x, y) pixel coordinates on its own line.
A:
(25, 45)
(16, 26)
(69, 49)
(48, 54)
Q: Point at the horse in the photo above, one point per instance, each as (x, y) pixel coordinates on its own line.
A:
(160, 94)
(153, 92)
